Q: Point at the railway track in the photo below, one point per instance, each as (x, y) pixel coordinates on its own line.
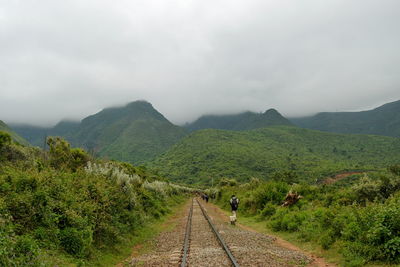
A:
(196, 241)
(197, 236)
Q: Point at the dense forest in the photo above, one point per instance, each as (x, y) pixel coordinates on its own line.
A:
(286, 152)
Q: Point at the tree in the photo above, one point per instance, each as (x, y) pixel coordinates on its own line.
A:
(395, 169)
(5, 139)
(287, 176)
(62, 156)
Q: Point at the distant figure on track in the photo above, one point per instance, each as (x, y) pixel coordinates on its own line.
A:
(234, 201)
(206, 198)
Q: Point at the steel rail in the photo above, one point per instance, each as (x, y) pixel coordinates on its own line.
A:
(219, 237)
(187, 237)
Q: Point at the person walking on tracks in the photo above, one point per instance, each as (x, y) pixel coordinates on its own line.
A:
(234, 201)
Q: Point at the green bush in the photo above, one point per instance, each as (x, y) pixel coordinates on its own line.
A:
(26, 249)
(395, 169)
(16, 250)
(79, 158)
(75, 241)
(326, 239)
(271, 192)
(227, 182)
(62, 156)
(276, 221)
(268, 210)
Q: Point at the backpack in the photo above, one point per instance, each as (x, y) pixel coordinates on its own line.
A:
(234, 203)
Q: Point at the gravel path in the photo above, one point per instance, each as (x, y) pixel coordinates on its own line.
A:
(249, 248)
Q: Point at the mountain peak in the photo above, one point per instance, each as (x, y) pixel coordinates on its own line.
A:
(272, 111)
(134, 132)
(141, 103)
(135, 110)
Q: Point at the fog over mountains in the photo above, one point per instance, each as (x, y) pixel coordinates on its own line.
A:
(190, 58)
(138, 133)
(384, 120)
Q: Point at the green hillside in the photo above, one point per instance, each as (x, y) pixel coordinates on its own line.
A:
(64, 128)
(36, 135)
(243, 121)
(4, 128)
(33, 134)
(134, 133)
(282, 152)
(384, 120)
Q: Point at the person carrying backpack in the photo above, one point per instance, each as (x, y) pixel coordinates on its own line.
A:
(234, 205)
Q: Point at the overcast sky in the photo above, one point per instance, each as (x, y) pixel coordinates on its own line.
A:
(71, 58)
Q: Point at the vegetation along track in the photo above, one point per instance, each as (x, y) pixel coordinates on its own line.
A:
(195, 253)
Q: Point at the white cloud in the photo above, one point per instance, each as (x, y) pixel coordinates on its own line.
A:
(69, 59)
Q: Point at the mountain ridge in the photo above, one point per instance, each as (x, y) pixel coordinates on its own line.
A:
(239, 122)
(138, 133)
(383, 120)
